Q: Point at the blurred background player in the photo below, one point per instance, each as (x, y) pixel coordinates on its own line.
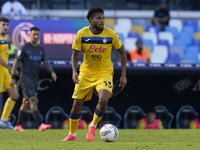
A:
(31, 57)
(95, 71)
(161, 16)
(138, 55)
(150, 121)
(5, 76)
(195, 124)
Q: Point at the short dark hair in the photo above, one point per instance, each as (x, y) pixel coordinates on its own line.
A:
(151, 110)
(4, 19)
(34, 29)
(94, 10)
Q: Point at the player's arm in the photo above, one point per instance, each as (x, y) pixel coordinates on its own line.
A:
(2, 62)
(50, 69)
(192, 125)
(140, 124)
(123, 79)
(74, 63)
(14, 72)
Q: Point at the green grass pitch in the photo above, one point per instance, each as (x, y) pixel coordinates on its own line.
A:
(171, 139)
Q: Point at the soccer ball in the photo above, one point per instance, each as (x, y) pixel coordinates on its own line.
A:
(109, 133)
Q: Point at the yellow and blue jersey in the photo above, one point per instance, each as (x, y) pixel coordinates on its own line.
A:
(97, 49)
(4, 52)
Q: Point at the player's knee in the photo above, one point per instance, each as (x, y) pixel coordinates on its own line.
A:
(103, 101)
(15, 96)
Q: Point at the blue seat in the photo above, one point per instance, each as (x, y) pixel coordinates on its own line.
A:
(180, 43)
(86, 114)
(134, 35)
(111, 117)
(192, 50)
(198, 29)
(187, 38)
(149, 43)
(165, 116)
(173, 30)
(192, 23)
(196, 43)
(58, 1)
(29, 121)
(132, 116)
(164, 42)
(189, 30)
(184, 2)
(121, 37)
(177, 50)
(153, 29)
(55, 116)
(76, 1)
(192, 57)
(184, 115)
(174, 58)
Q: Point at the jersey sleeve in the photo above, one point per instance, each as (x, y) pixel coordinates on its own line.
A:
(140, 124)
(76, 46)
(44, 56)
(117, 43)
(160, 126)
(20, 53)
(192, 125)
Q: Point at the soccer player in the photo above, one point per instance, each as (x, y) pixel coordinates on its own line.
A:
(150, 121)
(5, 76)
(31, 55)
(195, 124)
(96, 42)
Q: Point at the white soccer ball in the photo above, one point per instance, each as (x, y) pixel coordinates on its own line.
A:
(109, 133)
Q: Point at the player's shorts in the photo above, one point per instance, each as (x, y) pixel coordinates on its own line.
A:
(29, 89)
(88, 82)
(4, 81)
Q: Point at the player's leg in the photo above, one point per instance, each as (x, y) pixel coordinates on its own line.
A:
(22, 114)
(75, 116)
(99, 112)
(8, 107)
(36, 115)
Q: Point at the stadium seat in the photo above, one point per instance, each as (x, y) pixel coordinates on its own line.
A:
(120, 29)
(86, 114)
(188, 30)
(124, 23)
(197, 36)
(110, 22)
(177, 50)
(132, 116)
(186, 38)
(184, 115)
(162, 51)
(180, 43)
(121, 37)
(55, 116)
(154, 29)
(129, 43)
(111, 117)
(137, 29)
(149, 43)
(166, 36)
(29, 121)
(155, 58)
(196, 43)
(134, 35)
(174, 58)
(165, 116)
(164, 42)
(192, 23)
(184, 2)
(173, 30)
(13, 119)
(192, 50)
(176, 23)
(150, 36)
(148, 50)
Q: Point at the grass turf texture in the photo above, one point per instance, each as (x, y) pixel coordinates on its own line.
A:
(174, 139)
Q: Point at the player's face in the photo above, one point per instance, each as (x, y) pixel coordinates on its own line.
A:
(150, 117)
(98, 21)
(35, 36)
(4, 26)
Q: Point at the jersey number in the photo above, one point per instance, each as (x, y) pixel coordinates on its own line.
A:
(108, 84)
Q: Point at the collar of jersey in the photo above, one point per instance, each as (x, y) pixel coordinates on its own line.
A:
(93, 32)
(2, 35)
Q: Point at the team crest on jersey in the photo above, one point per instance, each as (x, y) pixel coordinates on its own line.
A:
(104, 40)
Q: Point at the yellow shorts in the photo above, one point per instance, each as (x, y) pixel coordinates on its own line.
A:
(4, 81)
(88, 82)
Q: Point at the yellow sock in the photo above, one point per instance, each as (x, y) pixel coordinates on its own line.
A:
(95, 119)
(8, 107)
(73, 125)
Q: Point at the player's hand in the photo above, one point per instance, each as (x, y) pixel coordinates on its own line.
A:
(75, 78)
(122, 82)
(12, 83)
(54, 76)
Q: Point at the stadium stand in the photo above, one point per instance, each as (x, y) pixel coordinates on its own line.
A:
(129, 43)
(111, 117)
(184, 115)
(13, 119)
(86, 114)
(165, 116)
(55, 116)
(132, 115)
